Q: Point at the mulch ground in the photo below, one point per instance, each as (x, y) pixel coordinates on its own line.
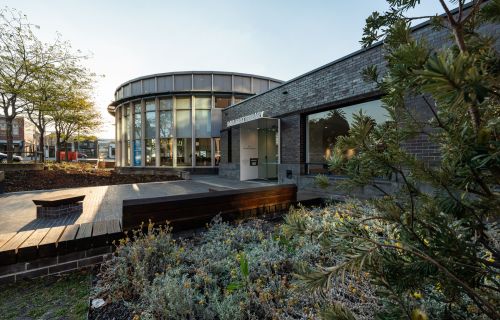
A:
(73, 178)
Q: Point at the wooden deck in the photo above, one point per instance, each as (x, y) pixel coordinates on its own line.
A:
(195, 210)
(48, 242)
(182, 211)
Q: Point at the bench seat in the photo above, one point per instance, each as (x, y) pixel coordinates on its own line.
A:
(60, 200)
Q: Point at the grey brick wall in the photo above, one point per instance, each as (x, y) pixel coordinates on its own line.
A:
(336, 84)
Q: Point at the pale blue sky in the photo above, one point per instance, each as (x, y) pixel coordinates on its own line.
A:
(276, 38)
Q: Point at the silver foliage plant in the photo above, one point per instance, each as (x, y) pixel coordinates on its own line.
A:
(248, 271)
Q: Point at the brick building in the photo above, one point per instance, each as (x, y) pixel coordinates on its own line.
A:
(25, 135)
(288, 132)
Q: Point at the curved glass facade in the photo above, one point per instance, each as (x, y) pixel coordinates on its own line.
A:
(174, 120)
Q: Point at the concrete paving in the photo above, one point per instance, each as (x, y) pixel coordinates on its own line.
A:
(18, 213)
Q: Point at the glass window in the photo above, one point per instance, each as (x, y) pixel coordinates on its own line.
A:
(260, 85)
(183, 102)
(222, 102)
(217, 151)
(166, 124)
(150, 152)
(202, 82)
(137, 121)
(165, 84)
(203, 124)
(126, 91)
(137, 153)
(203, 102)
(242, 84)
(136, 88)
(273, 84)
(238, 99)
(222, 83)
(203, 152)
(149, 85)
(126, 155)
(166, 152)
(325, 127)
(183, 82)
(166, 104)
(184, 152)
(150, 119)
(183, 124)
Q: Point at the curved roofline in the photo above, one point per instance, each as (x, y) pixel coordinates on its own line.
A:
(227, 73)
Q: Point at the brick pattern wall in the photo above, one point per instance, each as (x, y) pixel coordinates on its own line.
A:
(334, 85)
(54, 265)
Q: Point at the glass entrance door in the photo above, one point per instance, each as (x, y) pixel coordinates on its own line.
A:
(268, 148)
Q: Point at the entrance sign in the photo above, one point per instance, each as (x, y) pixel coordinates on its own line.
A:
(244, 119)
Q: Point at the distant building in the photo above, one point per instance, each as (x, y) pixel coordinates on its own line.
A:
(25, 135)
(88, 147)
(106, 149)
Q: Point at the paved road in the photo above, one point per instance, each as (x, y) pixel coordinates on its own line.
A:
(17, 211)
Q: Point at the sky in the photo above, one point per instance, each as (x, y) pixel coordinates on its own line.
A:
(126, 39)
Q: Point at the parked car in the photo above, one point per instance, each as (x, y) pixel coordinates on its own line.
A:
(82, 156)
(3, 158)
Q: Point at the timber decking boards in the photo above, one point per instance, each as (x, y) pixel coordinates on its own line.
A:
(29, 249)
(8, 251)
(181, 210)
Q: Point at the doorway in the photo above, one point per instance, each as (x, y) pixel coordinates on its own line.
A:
(259, 149)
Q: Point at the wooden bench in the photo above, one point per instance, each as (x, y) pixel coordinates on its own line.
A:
(58, 206)
(195, 210)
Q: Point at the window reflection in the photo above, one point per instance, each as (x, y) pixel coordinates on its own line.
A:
(203, 152)
(184, 152)
(324, 128)
(166, 152)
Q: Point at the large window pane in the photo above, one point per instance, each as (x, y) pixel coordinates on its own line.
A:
(183, 124)
(203, 152)
(182, 82)
(203, 124)
(150, 119)
(166, 104)
(166, 124)
(241, 84)
(126, 91)
(238, 99)
(150, 152)
(203, 102)
(222, 83)
(183, 102)
(149, 85)
(217, 151)
(324, 128)
(260, 85)
(166, 152)
(184, 152)
(137, 121)
(222, 102)
(137, 153)
(136, 88)
(202, 82)
(165, 84)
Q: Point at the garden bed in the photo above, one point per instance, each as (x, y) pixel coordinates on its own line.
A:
(245, 271)
(72, 175)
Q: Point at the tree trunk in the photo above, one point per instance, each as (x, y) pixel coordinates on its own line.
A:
(41, 146)
(10, 139)
(66, 151)
(58, 143)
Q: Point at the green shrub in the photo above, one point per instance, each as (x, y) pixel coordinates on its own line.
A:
(228, 272)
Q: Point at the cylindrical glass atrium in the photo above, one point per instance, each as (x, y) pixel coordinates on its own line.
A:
(174, 119)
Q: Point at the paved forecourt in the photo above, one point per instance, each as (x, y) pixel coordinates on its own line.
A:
(18, 212)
